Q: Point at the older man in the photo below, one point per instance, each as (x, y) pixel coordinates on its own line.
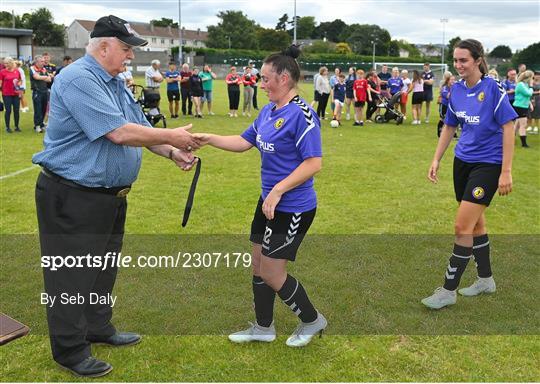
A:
(39, 81)
(153, 75)
(92, 155)
(185, 90)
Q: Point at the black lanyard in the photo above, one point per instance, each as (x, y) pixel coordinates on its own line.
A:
(191, 195)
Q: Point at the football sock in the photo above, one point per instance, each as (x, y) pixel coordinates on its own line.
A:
(481, 255)
(456, 266)
(263, 298)
(294, 295)
(523, 141)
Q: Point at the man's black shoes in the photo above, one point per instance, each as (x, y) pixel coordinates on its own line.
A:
(118, 339)
(89, 367)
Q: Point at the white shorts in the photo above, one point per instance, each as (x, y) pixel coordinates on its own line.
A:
(338, 102)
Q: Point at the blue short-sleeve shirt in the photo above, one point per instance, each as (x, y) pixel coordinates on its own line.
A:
(87, 103)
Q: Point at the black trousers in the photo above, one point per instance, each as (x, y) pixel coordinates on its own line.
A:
(75, 222)
(234, 97)
(255, 105)
(40, 99)
(323, 102)
(372, 107)
(186, 99)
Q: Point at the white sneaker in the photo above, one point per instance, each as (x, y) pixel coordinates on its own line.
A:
(426, 121)
(211, 113)
(440, 298)
(243, 113)
(535, 130)
(254, 333)
(38, 129)
(303, 334)
(249, 114)
(529, 129)
(481, 285)
(348, 116)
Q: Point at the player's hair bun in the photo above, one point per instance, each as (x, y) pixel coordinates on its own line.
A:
(292, 51)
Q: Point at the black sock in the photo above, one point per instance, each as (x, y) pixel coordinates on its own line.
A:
(523, 141)
(481, 256)
(294, 295)
(263, 298)
(456, 266)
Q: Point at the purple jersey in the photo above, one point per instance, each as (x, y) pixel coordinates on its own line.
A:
(481, 111)
(445, 94)
(286, 137)
(508, 86)
(395, 84)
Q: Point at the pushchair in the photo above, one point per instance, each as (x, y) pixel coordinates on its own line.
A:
(149, 100)
(392, 109)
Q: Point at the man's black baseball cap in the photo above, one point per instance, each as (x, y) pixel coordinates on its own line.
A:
(112, 26)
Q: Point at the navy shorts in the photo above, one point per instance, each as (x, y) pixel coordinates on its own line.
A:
(280, 237)
(476, 182)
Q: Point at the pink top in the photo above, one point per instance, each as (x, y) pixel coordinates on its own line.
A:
(418, 86)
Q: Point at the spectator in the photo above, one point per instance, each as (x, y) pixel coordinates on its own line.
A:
(172, 77)
(10, 81)
(153, 75)
(374, 91)
(522, 68)
(50, 67)
(360, 88)
(384, 76)
(233, 81)
(349, 94)
(395, 83)
(126, 75)
(417, 97)
(522, 101)
(207, 77)
(323, 87)
(509, 84)
(255, 72)
(333, 82)
(445, 89)
(405, 90)
(339, 97)
(22, 91)
(535, 112)
(65, 62)
(39, 78)
(494, 74)
(196, 90)
(185, 75)
(248, 80)
(428, 78)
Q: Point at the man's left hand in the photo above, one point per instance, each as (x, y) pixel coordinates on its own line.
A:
(184, 160)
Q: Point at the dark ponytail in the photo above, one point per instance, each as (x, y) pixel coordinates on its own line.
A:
(477, 52)
(286, 61)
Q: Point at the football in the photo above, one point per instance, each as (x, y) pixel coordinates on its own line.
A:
(334, 123)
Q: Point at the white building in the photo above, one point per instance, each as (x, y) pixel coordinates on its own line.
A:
(16, 43)
(159, 38)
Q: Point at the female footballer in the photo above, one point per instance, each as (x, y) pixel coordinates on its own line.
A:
(482, 164)
(287, 133)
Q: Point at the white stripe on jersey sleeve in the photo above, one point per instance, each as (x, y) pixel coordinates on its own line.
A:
(308, 116)
(503, 94)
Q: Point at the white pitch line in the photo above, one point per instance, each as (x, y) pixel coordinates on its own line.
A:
(18, 172)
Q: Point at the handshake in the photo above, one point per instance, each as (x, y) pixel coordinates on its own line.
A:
(185, 143)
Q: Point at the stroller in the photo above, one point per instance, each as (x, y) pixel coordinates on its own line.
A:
(392, 109)
(149, 100)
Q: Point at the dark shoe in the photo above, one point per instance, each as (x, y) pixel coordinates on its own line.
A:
(525, 145)
(356, 124)
(119, 339)
(17, 129)
(8, 130)
(89, 367)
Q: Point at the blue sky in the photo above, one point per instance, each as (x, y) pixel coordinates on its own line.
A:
(513, 23)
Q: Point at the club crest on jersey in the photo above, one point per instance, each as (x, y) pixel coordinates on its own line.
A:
(279, 123)
(481, 96)
(478, 193)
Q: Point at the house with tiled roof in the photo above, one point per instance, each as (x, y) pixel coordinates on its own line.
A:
(159, 38)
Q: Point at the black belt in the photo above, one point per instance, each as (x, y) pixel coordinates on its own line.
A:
(115, 191)
(191, 195)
